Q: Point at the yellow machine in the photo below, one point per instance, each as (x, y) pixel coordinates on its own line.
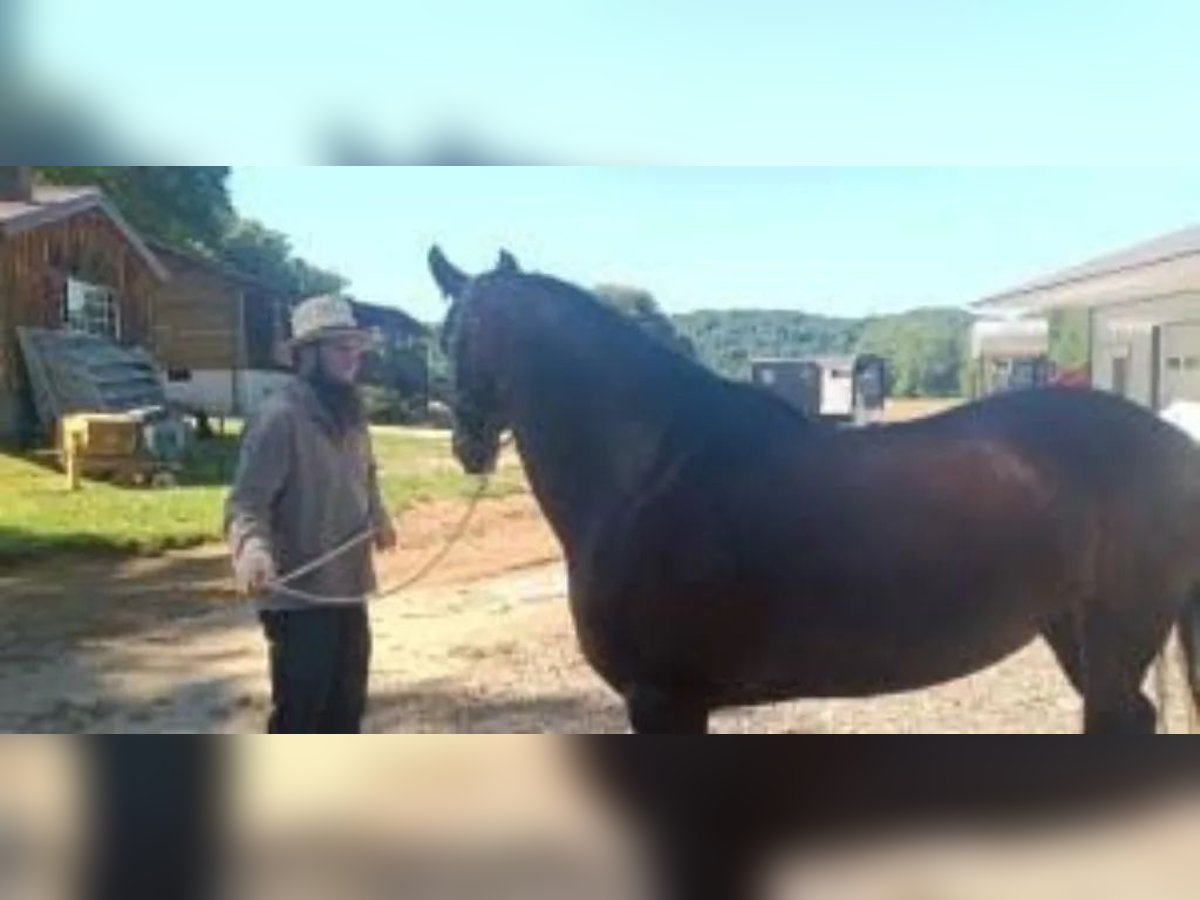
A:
(112, 445)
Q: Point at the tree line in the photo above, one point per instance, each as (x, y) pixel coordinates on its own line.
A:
(925, 349)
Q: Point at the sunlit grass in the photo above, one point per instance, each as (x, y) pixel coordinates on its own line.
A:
(39, 516)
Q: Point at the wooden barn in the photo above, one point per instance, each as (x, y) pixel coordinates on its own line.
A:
(68, 260)
(217, 335)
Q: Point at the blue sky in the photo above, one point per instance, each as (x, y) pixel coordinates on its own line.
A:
(842, 241)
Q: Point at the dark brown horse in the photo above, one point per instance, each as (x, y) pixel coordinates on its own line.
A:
(724, 551)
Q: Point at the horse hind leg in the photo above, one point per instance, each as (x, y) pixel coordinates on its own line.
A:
(1119, 706)
(1189, 634)
(1107, 668)
(1066, 640)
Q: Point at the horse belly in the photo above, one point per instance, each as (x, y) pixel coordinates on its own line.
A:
(866, 603)
(859, 660)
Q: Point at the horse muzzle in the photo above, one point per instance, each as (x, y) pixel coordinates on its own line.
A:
(477, 456)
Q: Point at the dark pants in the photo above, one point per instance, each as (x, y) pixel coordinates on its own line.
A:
(319, 661)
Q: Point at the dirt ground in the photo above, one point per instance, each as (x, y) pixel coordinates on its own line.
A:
(484, 645)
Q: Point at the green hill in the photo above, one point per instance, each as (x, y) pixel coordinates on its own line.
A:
(925, 348)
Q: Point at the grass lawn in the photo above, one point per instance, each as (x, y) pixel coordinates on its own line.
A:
(39, 517)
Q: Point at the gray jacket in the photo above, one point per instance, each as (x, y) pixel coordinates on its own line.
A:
(300, 491)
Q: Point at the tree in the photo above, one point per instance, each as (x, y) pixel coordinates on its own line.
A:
(190, 207)
(311, 280)
(726, 340)
(187, 206)
(253, 248)
(640, 306)
(925, 349)
(1069, 339)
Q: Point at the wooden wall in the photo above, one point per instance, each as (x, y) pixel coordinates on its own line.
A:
(197, 319)
(197, 324)
(35, 265)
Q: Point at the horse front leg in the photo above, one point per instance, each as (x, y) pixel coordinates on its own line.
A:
(654, 711)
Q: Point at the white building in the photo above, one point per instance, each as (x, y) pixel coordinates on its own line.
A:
(1143, 309)
(1009, 353)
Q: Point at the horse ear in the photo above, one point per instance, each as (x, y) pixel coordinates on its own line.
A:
(508, 263)
(450, 279)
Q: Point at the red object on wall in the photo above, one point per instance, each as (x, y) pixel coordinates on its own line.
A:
(1076, 378)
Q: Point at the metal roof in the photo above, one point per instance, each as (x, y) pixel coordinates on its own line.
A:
(172, 255)
(1163, 265)
(74, 372)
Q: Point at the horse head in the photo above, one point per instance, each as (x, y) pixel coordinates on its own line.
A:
(473, 347)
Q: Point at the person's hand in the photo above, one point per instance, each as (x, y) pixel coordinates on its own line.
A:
(386, 538)
(253, 571)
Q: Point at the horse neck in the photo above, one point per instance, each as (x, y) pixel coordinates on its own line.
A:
(591, 421)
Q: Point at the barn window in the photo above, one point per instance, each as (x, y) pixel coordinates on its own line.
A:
(91, 308)
(179, 375)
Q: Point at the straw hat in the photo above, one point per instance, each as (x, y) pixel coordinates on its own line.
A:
(320, 318)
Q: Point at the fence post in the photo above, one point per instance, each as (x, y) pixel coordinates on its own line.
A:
(74, 450)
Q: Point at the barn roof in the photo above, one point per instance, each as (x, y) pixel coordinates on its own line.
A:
(172, 255)
(50, 205)
(75, 372)
(1163, 265)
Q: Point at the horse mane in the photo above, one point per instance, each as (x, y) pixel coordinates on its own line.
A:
(675, 368)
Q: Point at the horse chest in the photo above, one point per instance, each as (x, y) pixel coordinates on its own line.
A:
(645, 605)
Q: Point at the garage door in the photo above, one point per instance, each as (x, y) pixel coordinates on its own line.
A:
(1180, 374)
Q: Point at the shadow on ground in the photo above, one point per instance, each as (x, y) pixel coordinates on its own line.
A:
(71, 631)
(439, 707)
